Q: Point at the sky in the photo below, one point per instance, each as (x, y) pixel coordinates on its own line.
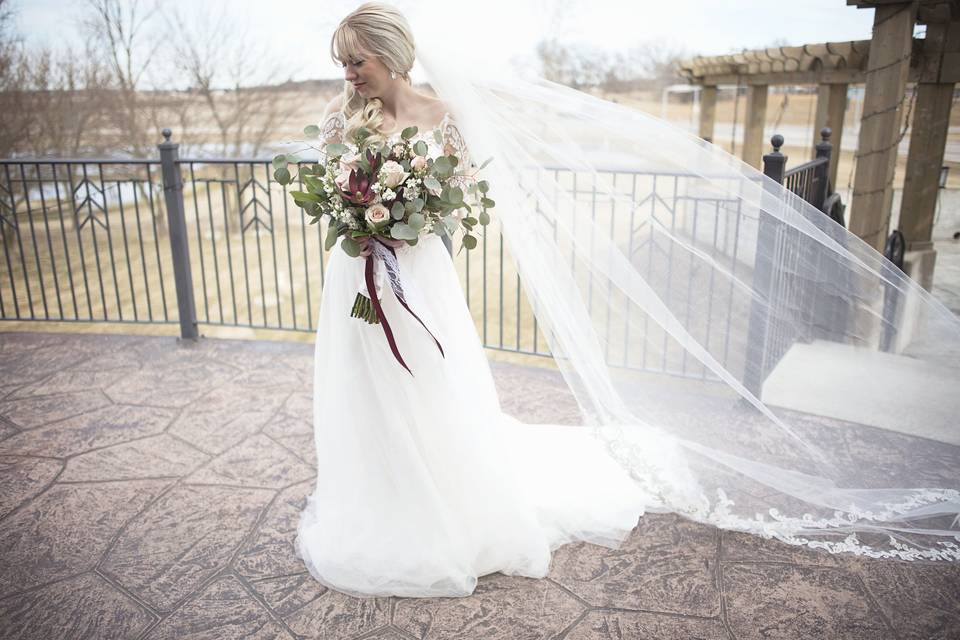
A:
(298, 33)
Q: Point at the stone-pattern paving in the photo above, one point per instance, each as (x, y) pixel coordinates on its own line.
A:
(152, 488)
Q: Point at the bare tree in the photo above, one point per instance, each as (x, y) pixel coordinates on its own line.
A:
(119, 32)
(230, 71)
(14, 70)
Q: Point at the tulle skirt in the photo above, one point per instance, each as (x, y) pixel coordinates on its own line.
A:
(423, 483)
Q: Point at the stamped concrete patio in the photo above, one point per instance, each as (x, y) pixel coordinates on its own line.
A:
(151, 489)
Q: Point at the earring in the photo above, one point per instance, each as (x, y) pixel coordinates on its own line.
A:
(393, 74)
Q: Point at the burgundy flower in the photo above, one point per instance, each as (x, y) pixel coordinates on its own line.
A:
(359, 189)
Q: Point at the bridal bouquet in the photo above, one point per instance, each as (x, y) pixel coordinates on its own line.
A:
(391, 190)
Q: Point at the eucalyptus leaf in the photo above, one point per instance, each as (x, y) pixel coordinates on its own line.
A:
(331, 238)
(418, 204)
(408, 133)
(302, 196)
(484, 218)
(431, 183)
(351, 246)
(420, 148)
(438, 136)
(397, 210)
(311, 131)
(280, 161)
(488, 203)
(402, 231)
(484, 186)
(416, 221)
(335, 150)
(470, 242)
(442, 165)
(282, 175)
(456, 195)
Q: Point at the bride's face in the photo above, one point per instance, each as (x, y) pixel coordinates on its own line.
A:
(367, 73)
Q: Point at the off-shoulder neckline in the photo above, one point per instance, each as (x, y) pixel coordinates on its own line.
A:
(446, 117)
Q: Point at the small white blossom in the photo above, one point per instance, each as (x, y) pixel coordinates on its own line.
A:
(388, 194)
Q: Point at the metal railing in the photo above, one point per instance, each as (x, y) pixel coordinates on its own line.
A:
(218, 242)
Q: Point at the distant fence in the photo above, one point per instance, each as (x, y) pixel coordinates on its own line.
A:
(199, 242)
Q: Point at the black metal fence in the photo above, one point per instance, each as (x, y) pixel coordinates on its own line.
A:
(200, 242)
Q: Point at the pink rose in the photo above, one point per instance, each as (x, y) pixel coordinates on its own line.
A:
(419, 163)
(377, 214)
(343, 179)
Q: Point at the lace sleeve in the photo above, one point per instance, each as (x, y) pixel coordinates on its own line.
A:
(454, 144)
(331, 131)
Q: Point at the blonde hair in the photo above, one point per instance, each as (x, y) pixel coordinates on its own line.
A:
(379, 29)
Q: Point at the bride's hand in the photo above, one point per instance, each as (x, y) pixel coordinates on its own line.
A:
(393, 242)
(367, 248)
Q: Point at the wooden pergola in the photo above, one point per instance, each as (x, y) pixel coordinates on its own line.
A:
(885, 64)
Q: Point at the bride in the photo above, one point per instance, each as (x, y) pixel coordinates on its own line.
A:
(424, 484)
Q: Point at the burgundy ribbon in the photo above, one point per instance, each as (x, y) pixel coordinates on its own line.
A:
(372, 290)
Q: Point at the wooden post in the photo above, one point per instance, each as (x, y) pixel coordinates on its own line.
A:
(928, 140)
(886, 81)
(820, 115)
(835, 114)
(831, 106)
(755, 119)
(928, 135)
(708, 111)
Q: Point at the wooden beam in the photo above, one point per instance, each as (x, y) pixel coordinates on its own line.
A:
(755, 119)
(887, 71)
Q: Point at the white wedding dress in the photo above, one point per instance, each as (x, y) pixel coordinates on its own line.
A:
(423, 483)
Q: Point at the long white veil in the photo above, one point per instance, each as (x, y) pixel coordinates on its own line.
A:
(752, 363)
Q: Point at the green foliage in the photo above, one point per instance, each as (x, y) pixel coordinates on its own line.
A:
(351, 246)
(282, 175)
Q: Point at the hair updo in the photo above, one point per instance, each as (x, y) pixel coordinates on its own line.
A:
(379, 29)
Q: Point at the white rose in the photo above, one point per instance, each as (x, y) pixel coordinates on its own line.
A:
(419, 163)
(392, 174)
(377, 214)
